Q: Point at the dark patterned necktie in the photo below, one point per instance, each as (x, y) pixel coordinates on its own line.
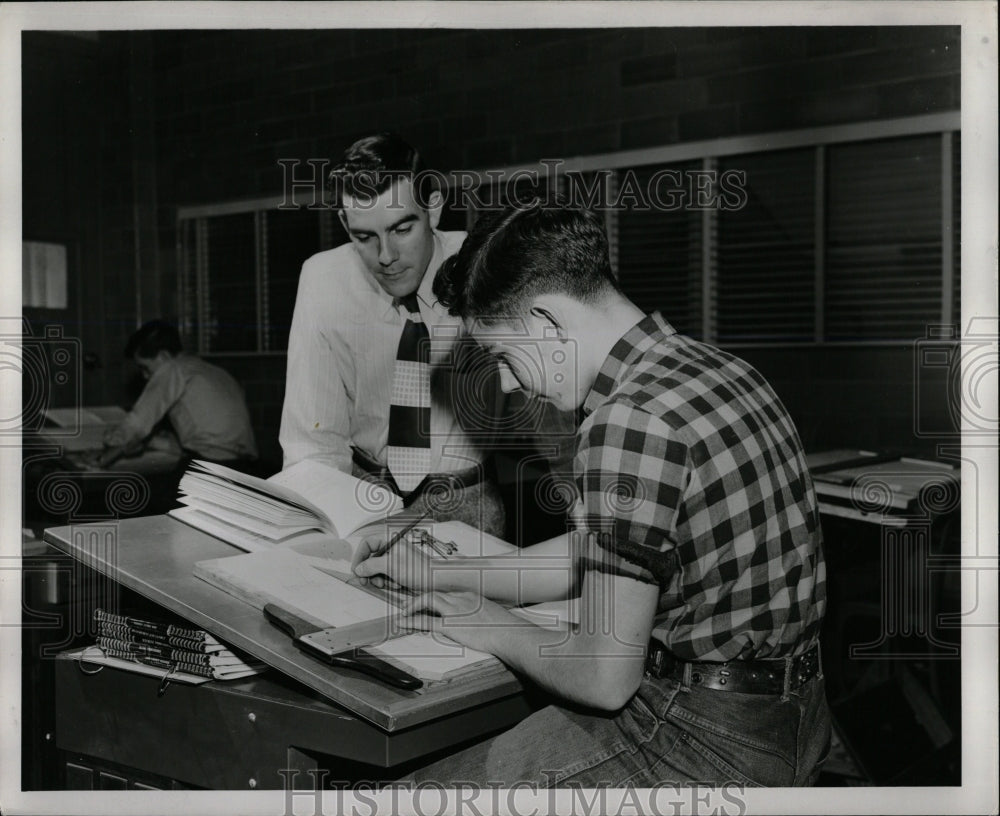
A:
(409, 451)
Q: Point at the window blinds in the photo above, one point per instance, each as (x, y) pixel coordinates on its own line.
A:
(659, 252)
(229, 308)
(766, 250)
(883, 269)
(834, 242)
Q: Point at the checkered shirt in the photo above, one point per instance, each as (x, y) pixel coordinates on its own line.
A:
(692, 474)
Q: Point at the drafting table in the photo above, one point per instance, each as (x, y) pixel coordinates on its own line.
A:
(339, 713)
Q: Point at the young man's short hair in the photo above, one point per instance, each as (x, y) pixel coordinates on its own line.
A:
(152, 338)
(372, 164)
(514, 254)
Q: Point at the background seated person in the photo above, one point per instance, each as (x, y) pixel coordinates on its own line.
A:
(204, 403)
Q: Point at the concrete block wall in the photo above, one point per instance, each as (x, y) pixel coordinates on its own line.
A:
(227, 105)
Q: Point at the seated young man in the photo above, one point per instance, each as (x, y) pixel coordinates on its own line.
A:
(204, 403)
(695, 548)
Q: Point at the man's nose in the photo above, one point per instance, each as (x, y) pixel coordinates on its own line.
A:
(387, 253)
(508, 382)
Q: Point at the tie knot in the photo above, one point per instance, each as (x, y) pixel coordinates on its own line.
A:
(409, 303)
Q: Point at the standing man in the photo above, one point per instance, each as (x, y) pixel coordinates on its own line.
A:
(367, 333)
(695, 547)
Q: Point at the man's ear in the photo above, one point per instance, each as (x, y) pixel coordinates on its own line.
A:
(343, 221)
(435, 206)
(550, 314)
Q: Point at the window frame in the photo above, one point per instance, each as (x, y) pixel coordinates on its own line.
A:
(193, 300)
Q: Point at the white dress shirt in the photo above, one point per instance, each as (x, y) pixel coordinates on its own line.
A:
(341, 359)
(206, 407)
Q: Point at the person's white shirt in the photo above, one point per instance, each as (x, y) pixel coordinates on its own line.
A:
(206, 407)
(341, 358)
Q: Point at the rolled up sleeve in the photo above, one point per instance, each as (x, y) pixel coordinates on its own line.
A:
(631, 472)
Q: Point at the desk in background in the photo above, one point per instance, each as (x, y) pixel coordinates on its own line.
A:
(891, 635)
(114, 716)
(60, 483)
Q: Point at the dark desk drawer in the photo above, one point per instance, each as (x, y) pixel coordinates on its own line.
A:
(218, 735)
(239, 735)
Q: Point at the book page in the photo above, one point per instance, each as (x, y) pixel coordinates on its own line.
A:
(276, 489)
(244, 520)
(346, 501)
(245, 539)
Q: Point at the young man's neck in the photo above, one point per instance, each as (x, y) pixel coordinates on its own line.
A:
(596, 328)
(612, 320)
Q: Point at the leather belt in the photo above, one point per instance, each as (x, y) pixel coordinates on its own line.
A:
(745, 676)
(432, 483)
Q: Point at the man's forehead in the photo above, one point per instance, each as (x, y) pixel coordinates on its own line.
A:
(396, 201)
(496, 330)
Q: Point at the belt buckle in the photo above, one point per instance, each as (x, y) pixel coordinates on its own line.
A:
(657, 663)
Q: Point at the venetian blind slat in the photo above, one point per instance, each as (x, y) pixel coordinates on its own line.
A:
(883, 274)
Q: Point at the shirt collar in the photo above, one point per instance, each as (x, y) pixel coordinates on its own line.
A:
(623, 355)
(425, 292)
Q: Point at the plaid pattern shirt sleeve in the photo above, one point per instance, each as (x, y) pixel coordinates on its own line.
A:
(691, 473)
(630, 473)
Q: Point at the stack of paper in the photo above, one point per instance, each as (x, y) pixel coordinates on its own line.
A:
(255, 514)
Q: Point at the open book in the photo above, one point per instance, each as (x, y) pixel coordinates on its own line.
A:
(307, 499)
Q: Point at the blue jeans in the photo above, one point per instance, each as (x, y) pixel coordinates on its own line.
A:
(668, 732)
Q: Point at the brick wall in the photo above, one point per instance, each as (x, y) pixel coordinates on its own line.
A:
(229, 104)
(77, 171)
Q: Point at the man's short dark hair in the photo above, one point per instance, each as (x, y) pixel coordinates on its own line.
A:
(152, 338)
(372, 164)
(515, 254)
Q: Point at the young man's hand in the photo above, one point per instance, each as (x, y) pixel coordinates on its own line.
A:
(404, 564)
(109, 456)
(465, 617)
(115, 437)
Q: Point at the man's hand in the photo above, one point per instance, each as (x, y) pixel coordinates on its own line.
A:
(404, 564)
(118, 443)
(465, 617)
(371, 545)
(115, 437)
(109, 456)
